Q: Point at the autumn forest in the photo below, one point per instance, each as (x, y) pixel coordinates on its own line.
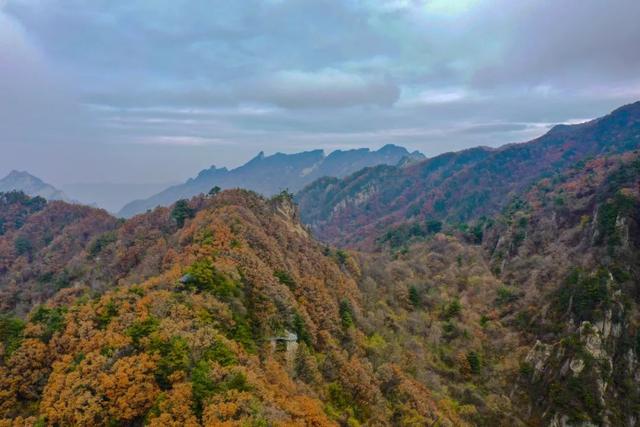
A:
(430, 293)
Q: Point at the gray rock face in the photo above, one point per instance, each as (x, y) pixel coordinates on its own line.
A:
(590, 361)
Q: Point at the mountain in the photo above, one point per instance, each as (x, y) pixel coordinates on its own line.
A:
(269, 175)
(174, 317)
(225, 310)
(29, 184)
(182, 315)
(567, 253)
(458, 186)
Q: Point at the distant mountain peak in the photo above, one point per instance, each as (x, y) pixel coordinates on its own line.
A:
(31, 185)
(391, 147)
(271, 174)
(16, 174)
(259, 156)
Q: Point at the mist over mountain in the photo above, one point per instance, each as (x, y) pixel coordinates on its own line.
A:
(111, 196)
(31, 185)
(269, 175)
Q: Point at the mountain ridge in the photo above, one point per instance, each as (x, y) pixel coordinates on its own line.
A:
(457, 186)
(269, 175)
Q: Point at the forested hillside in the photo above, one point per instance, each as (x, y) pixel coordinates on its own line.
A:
(528, 318)
(565, 255)
(457, 186)
(225, 310)
(191, 343)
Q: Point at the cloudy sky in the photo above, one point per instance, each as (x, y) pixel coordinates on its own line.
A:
(153, 91)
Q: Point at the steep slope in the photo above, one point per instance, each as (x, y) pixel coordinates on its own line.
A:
(568, 251)
(192, 343)
(49, 246)
(269, 175)
(31, 185)
(456, 186)
(564, 256)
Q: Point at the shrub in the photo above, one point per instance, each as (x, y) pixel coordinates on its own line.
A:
(203, 276)
(23, 246)
(341, 257)
(526, 369)
(174, 356)
(204, 387)
(300, 328)
(241, 332)
(109, 312)
(450, 330)
(51, 318)
(505, 295)
(101, 242)
(181, 212)
(346, 314)
(142, 328)
(218, 352)
(285, 279)
(474, 362)
(414, 297)
(608, 214)
(452, 309)
(10, 333)
(588, 294)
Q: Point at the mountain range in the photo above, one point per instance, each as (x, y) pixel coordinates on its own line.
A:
(457, 186)
(269, 175)
(489, 287)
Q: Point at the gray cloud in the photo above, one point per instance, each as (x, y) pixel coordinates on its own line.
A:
(155, 90)
(35, 103)
(325, 88)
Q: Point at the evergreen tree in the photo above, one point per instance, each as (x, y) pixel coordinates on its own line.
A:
(181, 211)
